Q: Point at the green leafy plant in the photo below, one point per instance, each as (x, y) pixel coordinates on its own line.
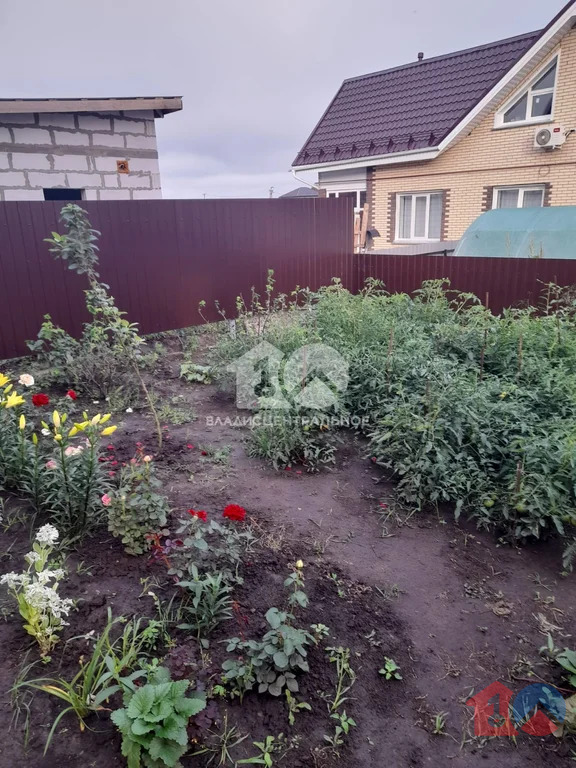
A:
(137, 508)
(209, 603)
(273, 661)
(109, 665)
(294, 706)
(566, 658)
(341, 729)
(346, 677)
(154, 719)
(320, 632)
(215, 454)
(266, 749)
(439, 724)
(210, 546)
(194, 373)
(390, 670)
(99, 363)
(286, 440)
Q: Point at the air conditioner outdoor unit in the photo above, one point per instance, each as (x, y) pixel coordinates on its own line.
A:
(550, 137)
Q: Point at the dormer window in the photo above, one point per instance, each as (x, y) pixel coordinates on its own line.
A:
(535, 104)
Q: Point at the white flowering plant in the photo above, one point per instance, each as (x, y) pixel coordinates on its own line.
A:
(36, 592)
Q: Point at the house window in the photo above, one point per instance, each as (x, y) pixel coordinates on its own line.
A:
(359, 197)
(518, 197)
(63, 193)
(536, 103)
(419, 216)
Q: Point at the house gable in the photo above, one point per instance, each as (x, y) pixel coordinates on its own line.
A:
(438, 102)
(489, 158)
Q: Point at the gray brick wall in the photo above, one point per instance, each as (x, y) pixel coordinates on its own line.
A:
(79, 151)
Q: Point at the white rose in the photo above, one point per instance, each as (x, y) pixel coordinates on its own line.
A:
(26, 380)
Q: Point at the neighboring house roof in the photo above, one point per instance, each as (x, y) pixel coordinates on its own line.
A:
(409, 107)
(302, 192)
(163, 105)
(426, 105)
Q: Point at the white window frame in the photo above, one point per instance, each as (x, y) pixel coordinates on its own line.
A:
(413, 238)
(522, 189)
(529, 92)
(337, 193)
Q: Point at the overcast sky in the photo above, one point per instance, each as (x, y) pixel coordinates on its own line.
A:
(255, 75)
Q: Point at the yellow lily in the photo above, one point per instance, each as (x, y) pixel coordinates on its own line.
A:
(73, 431)
(13, 400)
(35, 438)
(108, 431)
(3, 379)
(58, 438)
(105, 418)
(56, 419)
(96, 419)
(22, 422)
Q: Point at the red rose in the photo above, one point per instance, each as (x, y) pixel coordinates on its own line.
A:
(200, 514)
(234, 512)
(71, 394)
(40, 399)
(204, 453)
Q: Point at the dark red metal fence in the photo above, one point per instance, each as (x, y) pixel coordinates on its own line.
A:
(498, 282)
(162, 257)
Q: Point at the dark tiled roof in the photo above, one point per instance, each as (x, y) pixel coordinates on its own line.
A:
(409, 107)
(301, 192)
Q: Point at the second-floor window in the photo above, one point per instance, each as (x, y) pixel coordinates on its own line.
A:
(536, 102)
(419, 216)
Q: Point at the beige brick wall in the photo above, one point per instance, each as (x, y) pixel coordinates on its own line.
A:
(488, 157)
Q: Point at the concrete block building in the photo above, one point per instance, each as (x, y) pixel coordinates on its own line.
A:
(81, 149)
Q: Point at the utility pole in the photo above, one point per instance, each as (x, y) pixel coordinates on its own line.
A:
(271, 192)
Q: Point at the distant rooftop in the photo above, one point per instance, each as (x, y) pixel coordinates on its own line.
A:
(301, 192)
(162, 105)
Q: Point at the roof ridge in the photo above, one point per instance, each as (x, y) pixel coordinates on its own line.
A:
(444, 56)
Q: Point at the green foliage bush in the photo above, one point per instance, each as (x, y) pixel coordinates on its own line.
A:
(461, 406)
(136, 508)
(154, 719)
(101, 362)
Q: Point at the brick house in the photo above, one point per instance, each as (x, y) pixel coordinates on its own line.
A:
(81, 149)
(432, 144)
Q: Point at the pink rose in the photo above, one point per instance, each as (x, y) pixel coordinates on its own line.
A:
(51, 464)
(106, 500)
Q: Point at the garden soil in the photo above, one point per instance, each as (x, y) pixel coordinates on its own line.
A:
(453, 607)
